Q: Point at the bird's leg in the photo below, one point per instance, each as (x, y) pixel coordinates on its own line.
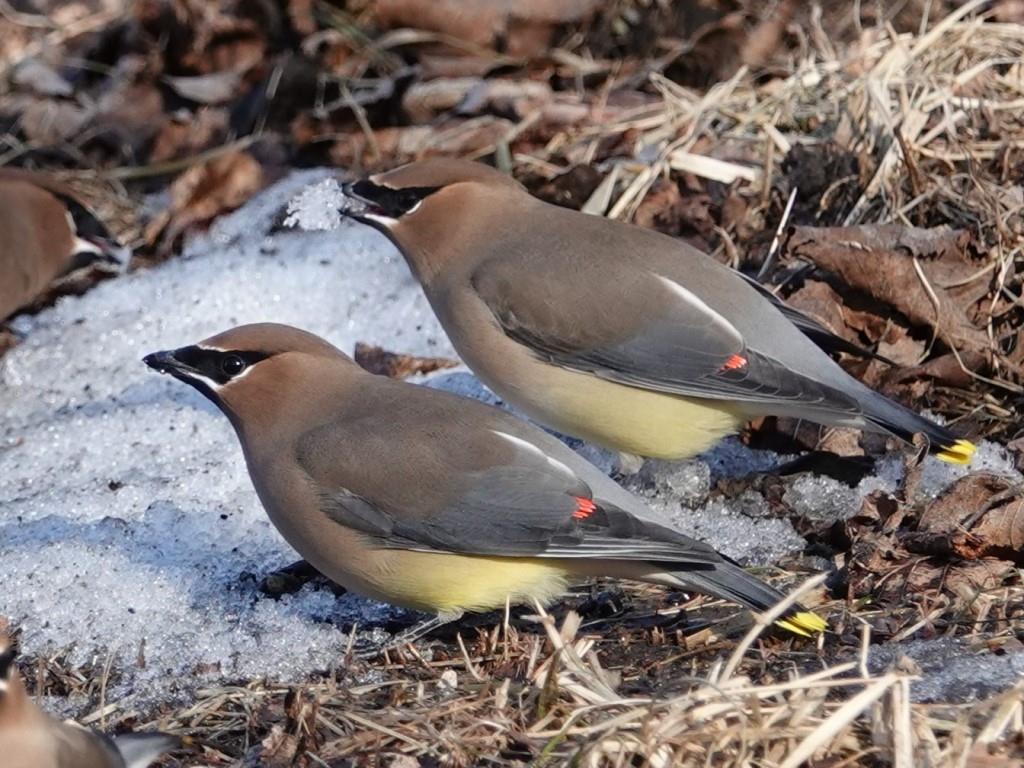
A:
(410, 635)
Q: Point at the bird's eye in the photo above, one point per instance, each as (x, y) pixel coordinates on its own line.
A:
(232, 365)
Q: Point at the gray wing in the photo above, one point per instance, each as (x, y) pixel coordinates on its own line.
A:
(481, 491)
(641, 329)
(638, 321)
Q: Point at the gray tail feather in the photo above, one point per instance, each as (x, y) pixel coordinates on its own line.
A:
(890, 416)
(140, 749)
(730, 582)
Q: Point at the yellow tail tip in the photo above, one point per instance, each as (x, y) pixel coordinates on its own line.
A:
(959, 452)
(804, 623)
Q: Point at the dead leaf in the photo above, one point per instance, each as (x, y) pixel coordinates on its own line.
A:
(424, 101)
(818, 300)
(945, 369)
(38, 76)
(204, 191)
(473, 96)
(133, 112)
(570, 189)
(277, 750)
(860, 254)
(979, 516)
(1002, 529)
(1009, 11)
(506, 97)
(684, 213)
(661, 208)
(939, 558)
(967, 580)
(736, 216)
(392, 146)
(765, 39)
(300, 13)
(188, 133)
(214, 88)
(959, 505)
(524, 26)
(897, 345)
(51, 121)
(435, 65)
(397, 366)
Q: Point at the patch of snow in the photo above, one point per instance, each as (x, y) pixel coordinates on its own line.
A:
(689, 481)
(821, 499)
(939, 475)
(730, 458)
(317, 208)
(950, 670)
(740, 528)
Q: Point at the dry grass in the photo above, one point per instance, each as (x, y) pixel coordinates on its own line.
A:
(543, 691)
(521, 697)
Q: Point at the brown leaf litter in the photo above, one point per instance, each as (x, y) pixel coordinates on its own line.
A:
(204, 192)
(929, 274)
(397, 366)
(942, 558)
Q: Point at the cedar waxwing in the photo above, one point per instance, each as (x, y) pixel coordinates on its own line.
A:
(45, 233)
(610, 332)
(428, 500)
(31, 739)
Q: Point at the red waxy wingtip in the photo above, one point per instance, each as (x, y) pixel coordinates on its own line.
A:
(734, 362)
(584, 508)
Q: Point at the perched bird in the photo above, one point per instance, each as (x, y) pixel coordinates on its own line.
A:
(45, 233)
(428, 500)
(608, 331)
(31, 739)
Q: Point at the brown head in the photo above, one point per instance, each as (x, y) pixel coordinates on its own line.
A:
(434, 210)
(45, 233)
(16, 709)
(263, 376)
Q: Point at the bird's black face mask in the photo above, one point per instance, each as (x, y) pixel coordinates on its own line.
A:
(381, 202)
(205, 369)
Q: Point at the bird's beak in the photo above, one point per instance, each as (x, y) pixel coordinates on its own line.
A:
(170, 362)
(181, 364)
(356, 201)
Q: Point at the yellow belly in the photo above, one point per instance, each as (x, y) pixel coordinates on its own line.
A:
(627, 419)
(455, 584)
